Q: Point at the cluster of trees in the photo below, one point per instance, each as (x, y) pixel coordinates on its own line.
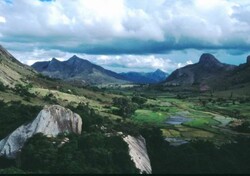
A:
(92, 153)
(23, 91)
(244, 127)
(2, 87)
(15, 114)
(127, 107)
(50, 98)
(90, 118)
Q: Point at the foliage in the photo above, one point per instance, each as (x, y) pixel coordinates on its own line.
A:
(50, 98)
(2, 87)
(139, 100)
(126, 107)
(12, 170)
(38, 154)
(15, 114)
(87, 153)
(244, 127)
(5, 163)
(196, 157)
(89, 117)
(23, 91)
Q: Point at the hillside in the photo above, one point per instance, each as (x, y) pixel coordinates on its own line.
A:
(146, 78)
(78, 71)
(12, 71)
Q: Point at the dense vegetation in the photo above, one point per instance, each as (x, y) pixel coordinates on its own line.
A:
(14, 114)
(87, 153)
(95, 152)
(125, 106)
(91, 152)
(197, 157)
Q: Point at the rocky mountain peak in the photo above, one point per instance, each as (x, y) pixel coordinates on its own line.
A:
(75, 57)
(54, 60)
(51, 121)
(208, 59)
(75, 60)
(248, 60)
(159, 71)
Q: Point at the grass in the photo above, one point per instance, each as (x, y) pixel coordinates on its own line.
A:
(148, 116)
(202, 122)
(170, 133)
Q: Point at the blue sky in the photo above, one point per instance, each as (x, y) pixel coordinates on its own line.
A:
(127, 35)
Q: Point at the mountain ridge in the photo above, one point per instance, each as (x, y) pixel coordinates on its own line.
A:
(201, 73)
(13, 71)
(146, 77)
(78, 69)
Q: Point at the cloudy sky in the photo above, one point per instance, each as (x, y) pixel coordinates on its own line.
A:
(126, 35)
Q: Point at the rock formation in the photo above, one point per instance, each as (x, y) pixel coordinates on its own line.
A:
(248, 60)
(206, 72)
(51, 121)
(138, 153)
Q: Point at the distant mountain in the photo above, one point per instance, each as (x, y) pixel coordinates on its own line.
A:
(11, 70)
(240, 75)
(145, 78)
(78, 70)
(206, 73)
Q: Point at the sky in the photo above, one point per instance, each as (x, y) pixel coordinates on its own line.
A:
(127, 35)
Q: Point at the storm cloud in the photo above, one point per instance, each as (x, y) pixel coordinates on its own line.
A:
(139, 29)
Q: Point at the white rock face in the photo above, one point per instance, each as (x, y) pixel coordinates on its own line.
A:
(138, 153)
(51, 121)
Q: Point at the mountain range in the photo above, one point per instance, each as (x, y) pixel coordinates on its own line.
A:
(210, 73)
(146, 78)
(82, 71)
(77, 70)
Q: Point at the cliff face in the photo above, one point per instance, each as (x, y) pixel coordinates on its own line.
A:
(138, 153)
(51, 121)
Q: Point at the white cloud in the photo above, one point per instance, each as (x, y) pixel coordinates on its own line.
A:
(117, 63)
(34, 30)
(179, 65)
(2, 19)
(92, 20)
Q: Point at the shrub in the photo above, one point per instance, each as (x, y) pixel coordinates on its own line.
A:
(2, 87)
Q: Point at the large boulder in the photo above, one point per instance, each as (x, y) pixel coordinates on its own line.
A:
(138, 153)
(51, 121)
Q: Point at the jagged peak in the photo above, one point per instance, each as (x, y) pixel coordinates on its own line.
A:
(248, 60)
(77, 60)
(159, 71)
(208, 58)
(54, 60)
(74, 57)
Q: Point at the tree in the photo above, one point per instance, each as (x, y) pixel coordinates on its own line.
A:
(139, 100)
(38, 154)
(2, 87)
(126, 108)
